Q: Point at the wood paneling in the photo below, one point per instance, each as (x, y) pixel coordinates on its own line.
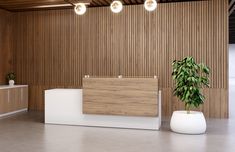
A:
(24, 98)
(3, 101)
(214, 105)
(56, 48)
(121, 96)
(5, 44)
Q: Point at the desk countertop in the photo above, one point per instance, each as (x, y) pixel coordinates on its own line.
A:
(10, 87)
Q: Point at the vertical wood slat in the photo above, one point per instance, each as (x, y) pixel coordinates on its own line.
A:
(5, 44)
(57, 48)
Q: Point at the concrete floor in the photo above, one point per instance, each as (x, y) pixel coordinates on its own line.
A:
(27, 133)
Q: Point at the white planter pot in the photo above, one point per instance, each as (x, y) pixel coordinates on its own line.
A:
(193, 123)
(11, 82)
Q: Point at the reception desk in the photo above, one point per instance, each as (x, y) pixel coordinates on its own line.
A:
(69, 107)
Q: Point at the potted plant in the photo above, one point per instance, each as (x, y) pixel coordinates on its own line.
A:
(189, 78)
(11, 78)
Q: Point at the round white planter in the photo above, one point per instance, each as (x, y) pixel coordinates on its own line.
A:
(11, 82)
(193, 123)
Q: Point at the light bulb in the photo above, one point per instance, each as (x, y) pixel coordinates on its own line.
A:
(150, 5)
(80, 8)
(116, 6)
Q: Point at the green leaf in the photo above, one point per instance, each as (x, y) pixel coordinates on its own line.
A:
(189, 78)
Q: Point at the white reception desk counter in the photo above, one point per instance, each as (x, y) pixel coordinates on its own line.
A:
(64, 106)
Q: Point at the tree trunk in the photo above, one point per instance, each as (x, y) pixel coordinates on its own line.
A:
(187, 108)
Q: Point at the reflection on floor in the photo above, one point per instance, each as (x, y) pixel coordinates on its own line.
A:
(27, 133)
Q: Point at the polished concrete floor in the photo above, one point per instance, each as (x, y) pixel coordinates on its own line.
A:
(27, 133)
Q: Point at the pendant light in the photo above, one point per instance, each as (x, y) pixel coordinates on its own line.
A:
(80, 8)
(116, 6)
(150, 5)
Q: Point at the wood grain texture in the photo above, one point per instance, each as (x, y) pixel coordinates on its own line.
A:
(56, 48)
(5, 44)
(13, 99)
(120, 96)
(214, 105)
(24, 98)
(3, 101)
(13, 102)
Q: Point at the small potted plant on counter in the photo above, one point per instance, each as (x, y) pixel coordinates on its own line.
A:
(189, 78)
(11, 78)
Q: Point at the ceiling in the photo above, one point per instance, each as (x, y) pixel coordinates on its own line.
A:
(232, 28)
(232, 22)
(22, 5)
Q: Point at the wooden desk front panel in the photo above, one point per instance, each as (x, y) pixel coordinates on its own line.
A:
(13, 99)
(124, 96)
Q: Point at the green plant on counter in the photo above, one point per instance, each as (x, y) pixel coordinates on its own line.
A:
(11, 76)
(189, 78)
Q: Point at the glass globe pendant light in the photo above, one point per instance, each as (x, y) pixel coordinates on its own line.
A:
(116, 6)
(80, 8)
(150, 5)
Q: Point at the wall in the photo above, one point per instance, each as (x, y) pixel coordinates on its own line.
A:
(232, 80)
(232, 61)
(5, 44)
(56, 48)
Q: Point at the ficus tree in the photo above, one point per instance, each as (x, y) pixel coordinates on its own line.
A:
(189, 78)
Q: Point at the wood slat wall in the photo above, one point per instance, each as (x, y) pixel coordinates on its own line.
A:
(5, 44)
(56, 48)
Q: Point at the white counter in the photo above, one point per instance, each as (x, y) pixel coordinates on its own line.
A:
(10, 87)
(64, 106)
